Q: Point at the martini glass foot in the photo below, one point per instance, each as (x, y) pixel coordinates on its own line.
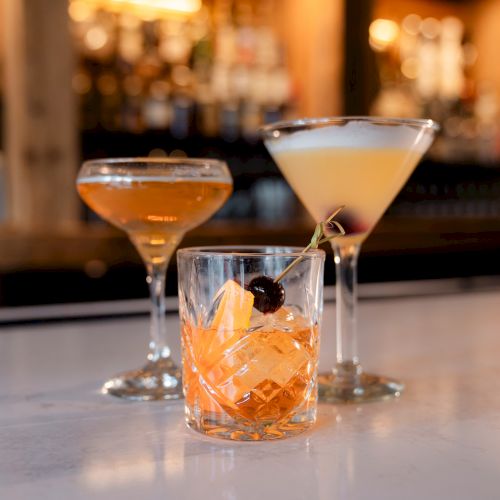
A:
(157, 380)
(366, 388)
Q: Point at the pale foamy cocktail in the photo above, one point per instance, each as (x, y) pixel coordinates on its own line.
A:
(360, 164)
(356, 166)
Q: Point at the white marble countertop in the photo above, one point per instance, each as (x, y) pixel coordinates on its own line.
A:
(61, 439)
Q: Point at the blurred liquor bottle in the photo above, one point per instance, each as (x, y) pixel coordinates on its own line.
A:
(426, 68)
(219, 72)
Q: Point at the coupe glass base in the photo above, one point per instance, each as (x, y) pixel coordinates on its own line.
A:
(157, 380)
(367, 388)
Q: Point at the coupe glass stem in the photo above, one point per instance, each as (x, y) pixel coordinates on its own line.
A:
(158, 348)
(347, 368)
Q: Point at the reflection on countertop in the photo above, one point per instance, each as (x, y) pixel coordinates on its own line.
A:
(59, 437)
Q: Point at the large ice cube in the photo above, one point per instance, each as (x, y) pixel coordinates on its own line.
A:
(256, 358)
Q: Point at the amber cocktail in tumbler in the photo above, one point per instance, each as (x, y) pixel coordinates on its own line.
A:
(249, 371)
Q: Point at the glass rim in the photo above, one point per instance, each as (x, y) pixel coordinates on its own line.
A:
(123, 161)
(251, 251)
(424, 123)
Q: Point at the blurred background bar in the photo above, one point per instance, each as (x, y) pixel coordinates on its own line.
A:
(83, 79)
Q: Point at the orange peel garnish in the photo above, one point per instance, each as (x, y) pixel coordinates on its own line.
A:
(235, 308)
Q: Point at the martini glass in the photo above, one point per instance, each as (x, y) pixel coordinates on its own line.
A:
(155, 201)
(360, 163)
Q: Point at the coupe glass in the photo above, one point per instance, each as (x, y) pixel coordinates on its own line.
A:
(359, 163)
(155, 201)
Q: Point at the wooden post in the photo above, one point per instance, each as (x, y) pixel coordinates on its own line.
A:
(313, 32)
(41, 121)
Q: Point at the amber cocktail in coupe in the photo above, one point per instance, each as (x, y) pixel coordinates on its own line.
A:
(249, 358)
(155, 201)
(360, 164)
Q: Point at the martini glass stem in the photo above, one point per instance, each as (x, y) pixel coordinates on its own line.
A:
(158, 347)
(347, 369)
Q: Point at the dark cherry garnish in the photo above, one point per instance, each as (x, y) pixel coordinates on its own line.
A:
(269, 295)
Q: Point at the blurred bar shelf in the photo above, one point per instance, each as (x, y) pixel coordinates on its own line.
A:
(95, 262)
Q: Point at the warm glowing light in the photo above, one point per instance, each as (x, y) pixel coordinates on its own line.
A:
(81, 83)
(383, 33)
(470, 54)
(178, 153)
(430, 28)
(144, 9)
(80, 11)
(107, 84)
(160, 218)
(411, 24)
(159, 89)
(186, 6)
(157, 153)
(95, 268)
(96, 38)
(181, 75)
(118, 472)
(409, 68)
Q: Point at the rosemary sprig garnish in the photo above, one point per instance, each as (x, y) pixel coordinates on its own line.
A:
(319, 237)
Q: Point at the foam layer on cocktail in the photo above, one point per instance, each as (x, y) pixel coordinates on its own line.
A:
(356, 135)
